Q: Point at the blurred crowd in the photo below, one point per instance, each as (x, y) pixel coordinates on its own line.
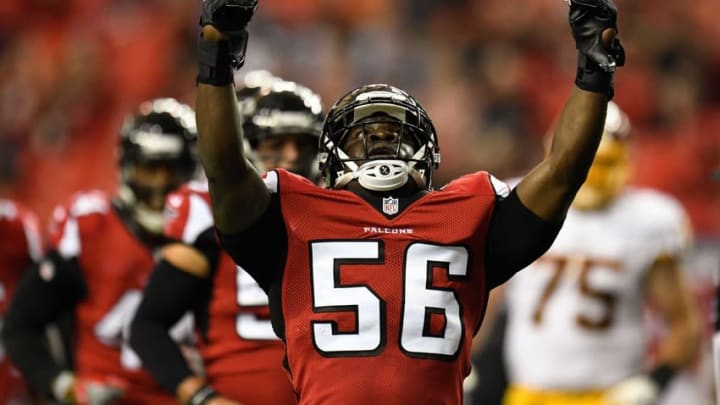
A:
(493, 74)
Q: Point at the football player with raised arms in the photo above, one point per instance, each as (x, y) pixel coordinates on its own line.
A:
(575, 330)
(377, 282)
(242, 356)
(101, 253)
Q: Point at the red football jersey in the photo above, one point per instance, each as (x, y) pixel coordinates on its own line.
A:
(21, 246)
(382, 308)
(242, 355)
(115, 266)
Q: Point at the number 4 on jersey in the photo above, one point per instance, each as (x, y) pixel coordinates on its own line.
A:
(114, 328)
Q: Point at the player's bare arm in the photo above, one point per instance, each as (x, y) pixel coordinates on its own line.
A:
(187, 259)
(238, 193)
(550, 187)
(669, 294)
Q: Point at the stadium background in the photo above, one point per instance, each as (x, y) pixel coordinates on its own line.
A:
(492, 74)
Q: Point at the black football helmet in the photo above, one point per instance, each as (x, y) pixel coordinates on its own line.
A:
(282, 107)
(272, 107)
(250, 86)
(161, 132)
(378, 103)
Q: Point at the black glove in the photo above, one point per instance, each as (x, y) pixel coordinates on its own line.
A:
(596, 63)
(230, 17)
(217, 59)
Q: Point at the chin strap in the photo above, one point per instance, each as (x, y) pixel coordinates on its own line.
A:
(381, 174)
(150, 220)
(378, 175)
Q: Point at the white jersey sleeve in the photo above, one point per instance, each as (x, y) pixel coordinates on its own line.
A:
(188, 213)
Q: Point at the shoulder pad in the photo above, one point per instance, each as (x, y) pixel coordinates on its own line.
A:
(187, 214)
(84, 215)
(475, 183)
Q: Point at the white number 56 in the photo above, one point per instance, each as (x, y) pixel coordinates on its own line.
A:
(420, 299)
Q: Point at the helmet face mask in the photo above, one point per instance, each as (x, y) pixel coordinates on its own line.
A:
(157, 155)
(400, 141)
(381, 115)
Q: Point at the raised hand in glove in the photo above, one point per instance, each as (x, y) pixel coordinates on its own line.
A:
(594, 27)
(589, 20)
(230, 17)
(223, 40)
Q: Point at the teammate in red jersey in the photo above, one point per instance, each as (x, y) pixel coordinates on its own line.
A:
(20, 249)
(101, 253)
(377, 282)
(242, 356)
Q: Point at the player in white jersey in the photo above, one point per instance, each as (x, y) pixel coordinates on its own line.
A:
(575, 322)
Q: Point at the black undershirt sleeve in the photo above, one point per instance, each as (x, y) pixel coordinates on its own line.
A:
(261, 250)
(44, 295)
(169, 294)
(516, 238)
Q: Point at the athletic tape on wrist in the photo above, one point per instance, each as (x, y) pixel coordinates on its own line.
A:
(591, 77)
(202, 395)
(215, 62)
(62, 384)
